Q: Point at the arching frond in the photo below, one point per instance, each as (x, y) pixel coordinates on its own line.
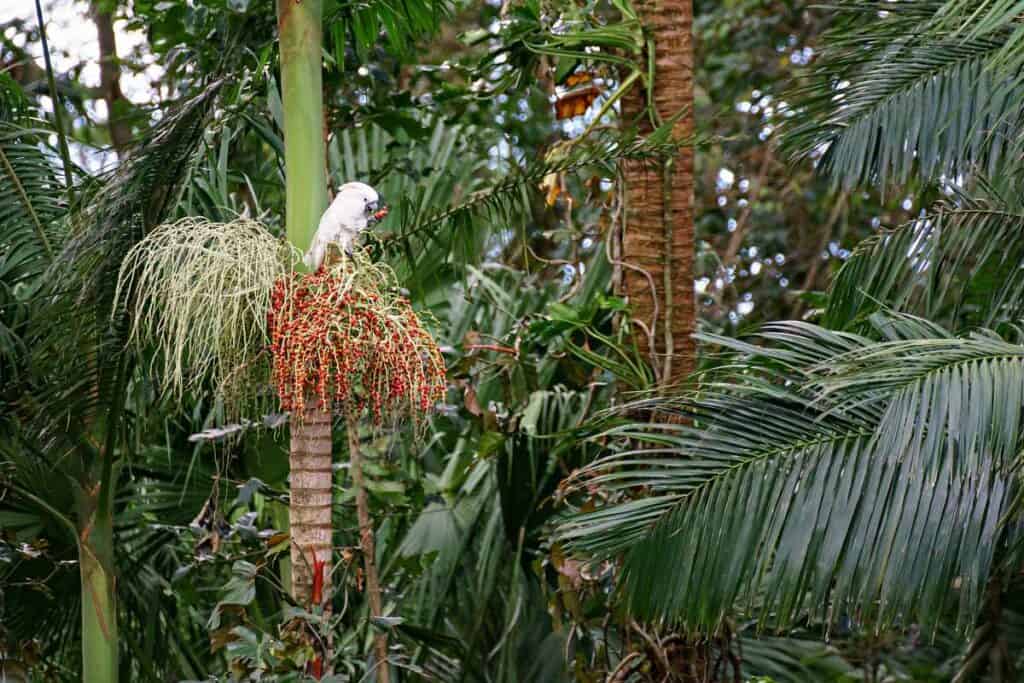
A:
(42, 593)
(79, 339)
(898, 92)
(970, 18)
(959, 264)
(31, 211)
(508, 201)
(134, 199)
(400, 22)
(871, 483)
(793, 660)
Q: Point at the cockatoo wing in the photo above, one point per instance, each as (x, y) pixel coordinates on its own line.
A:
(314, 258)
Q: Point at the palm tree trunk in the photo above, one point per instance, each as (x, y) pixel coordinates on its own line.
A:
(301, 37)
(310, 508)
(99, 599)
(300, 34)
(657, 239)
(110, 78)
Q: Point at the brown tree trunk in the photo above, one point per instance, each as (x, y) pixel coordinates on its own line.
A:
(311, 497)
(110, 79)
(367, 545)
(657, 238)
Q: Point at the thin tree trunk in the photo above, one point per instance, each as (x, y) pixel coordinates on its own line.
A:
(99, 598)
(300, 35)
(367, 545)
(311, 496)
(301, 39)
(110, 79)
(657, 240)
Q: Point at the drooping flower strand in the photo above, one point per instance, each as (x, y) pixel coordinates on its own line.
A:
(342, 335)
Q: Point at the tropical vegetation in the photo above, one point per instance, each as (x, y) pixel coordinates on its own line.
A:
(690, 350)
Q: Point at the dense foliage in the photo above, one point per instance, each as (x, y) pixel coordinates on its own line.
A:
(834, 496)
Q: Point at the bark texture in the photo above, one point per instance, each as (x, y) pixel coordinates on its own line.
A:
(367, 545)
(110, 79)
(657, 239)
(311, 497)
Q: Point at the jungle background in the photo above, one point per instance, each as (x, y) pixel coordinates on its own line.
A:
(831, 495)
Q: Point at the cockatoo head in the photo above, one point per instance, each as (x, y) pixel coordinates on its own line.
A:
(357, 206)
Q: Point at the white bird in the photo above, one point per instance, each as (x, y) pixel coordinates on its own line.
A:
(355, 208)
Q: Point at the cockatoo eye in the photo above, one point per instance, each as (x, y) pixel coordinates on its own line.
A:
(371, 207)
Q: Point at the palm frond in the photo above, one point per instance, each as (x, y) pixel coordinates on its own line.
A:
(134, 199)
(79, 340)
(31, 211)
(154, 504)
(969, 18)
(926, 100)
(31, 194)
(871, 484)
(399, 22)
(793, 660)
(508, 201)
(958, 264)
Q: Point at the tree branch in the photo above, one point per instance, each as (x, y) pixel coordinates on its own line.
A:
(110, 79)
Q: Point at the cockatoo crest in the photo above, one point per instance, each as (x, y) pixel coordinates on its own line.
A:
(356, 207)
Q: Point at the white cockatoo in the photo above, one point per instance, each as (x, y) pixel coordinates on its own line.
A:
(356, 207)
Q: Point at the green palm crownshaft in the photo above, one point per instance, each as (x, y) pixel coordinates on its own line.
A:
(300, 34)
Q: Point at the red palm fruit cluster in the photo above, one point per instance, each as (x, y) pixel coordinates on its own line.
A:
(353, 344)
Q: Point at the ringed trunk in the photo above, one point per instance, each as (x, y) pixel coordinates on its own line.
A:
(657, 238)
(310, 507)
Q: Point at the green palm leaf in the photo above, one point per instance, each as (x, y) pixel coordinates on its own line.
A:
(929, 99)
(508, 199)
(43, 594)
(31, 210)
(871, 483)
(958, 264)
